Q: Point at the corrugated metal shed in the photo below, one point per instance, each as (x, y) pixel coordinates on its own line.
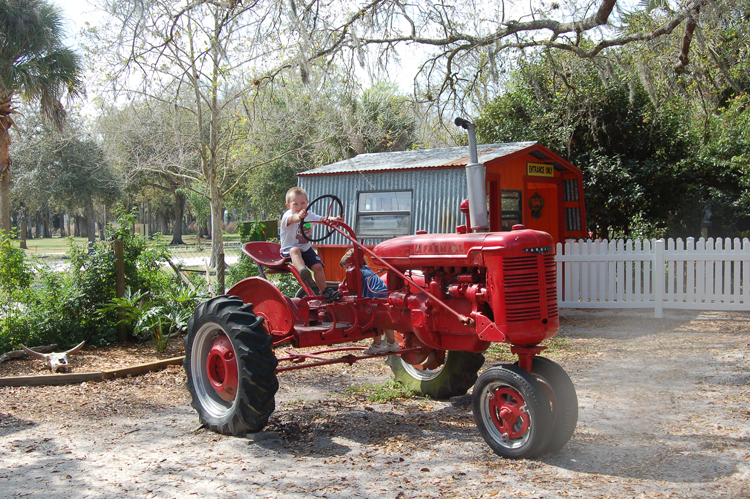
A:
(446, 157)
(436, 195)
(436, 178)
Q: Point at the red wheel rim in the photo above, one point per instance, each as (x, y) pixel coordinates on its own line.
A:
(508, 409)
(221, 367)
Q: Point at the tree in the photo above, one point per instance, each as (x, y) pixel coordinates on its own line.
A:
(201, 52)
(216, 51)
(35, 64)
(652, 158)
(148, 142)
(65, 169)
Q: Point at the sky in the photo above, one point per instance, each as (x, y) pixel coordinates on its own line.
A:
(75, 13)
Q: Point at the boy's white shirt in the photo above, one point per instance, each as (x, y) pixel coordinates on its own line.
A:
(290, 235)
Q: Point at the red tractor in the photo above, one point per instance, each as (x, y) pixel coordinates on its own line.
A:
(449, 297)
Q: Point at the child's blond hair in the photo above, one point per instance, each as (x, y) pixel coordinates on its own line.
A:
(345, 259)
(344, 262)
(293, 193)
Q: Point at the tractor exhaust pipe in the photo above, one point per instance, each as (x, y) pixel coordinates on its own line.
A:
(475, 181)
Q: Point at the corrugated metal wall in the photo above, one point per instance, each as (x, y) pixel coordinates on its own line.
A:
(436, 198)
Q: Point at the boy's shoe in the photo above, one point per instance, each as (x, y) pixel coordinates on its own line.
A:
(306, 277)
(376, 348)
(391, 347)
(331, 294)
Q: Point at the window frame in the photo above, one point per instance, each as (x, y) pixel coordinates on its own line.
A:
(509, 213)
(384, 235)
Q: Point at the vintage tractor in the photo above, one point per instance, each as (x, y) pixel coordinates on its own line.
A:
(449, 297)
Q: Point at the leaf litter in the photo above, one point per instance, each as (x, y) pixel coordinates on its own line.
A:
(663, 413)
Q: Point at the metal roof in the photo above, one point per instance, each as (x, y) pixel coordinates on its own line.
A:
(446, 157)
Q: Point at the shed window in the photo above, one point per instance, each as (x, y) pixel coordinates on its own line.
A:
(384, 213)
(510, 202)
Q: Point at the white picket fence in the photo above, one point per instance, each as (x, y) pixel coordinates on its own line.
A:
(696, 275)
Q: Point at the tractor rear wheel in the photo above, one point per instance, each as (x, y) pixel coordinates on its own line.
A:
(512, 412)
(231, 369)
(453, 378)
(563, 401)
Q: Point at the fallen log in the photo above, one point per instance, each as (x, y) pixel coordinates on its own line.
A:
(72, 378)
(17, 354)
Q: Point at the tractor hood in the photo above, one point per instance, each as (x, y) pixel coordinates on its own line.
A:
(460, 250)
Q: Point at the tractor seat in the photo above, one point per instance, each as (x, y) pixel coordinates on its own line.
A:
(266, 254)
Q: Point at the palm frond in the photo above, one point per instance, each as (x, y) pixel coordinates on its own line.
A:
(33, 59)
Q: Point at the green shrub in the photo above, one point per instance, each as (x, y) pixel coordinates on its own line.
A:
(48, 312)
(68, 307)
(251, 231)
(245, 267)
(14, 272)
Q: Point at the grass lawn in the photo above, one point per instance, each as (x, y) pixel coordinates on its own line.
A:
(61, 244)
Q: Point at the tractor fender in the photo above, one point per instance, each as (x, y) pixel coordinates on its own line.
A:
(268, 302)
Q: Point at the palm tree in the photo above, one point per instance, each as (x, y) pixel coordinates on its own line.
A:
(36, 65)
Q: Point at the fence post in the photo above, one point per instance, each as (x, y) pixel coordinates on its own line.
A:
(220, 266)
(122, 330)
(658, 276)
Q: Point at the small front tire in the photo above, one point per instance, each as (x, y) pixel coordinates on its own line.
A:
(512, 412)
(563, 401)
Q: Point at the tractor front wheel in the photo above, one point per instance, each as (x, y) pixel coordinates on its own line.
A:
(231, 369)
(563, 401)
(512, 412)
(452, 378)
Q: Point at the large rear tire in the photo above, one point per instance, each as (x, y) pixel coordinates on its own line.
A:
(230, 366)
(563, 401)
(512, 412)
(453, 378)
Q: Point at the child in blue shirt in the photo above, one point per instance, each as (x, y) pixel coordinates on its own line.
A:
(373, 287)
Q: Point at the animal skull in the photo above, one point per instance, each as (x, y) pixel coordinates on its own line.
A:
(56, 361)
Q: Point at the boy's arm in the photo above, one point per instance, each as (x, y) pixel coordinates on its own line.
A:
(314, 217)
(296, 217)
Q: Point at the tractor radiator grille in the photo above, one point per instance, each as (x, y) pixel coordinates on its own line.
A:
(524, 292)
(550, 276)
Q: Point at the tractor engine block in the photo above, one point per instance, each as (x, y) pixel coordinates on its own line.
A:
(506, 282)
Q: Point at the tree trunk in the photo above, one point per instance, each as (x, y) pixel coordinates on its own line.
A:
(5, 163)
(90, 215)
(179, 204)
(217, 213)
(104, 223)
(161, 219)
(45, 224)
(149, 222)
(22, 233)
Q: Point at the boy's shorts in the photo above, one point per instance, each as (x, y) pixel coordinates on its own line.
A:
(309, 256)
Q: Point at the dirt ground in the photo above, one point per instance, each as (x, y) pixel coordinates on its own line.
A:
(664, 412)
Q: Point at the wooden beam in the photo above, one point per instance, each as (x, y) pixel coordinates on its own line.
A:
(72, 378)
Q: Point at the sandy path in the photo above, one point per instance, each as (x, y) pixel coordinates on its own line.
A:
(664, 412)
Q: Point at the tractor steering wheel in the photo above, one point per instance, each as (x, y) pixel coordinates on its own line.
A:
(335, 209)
